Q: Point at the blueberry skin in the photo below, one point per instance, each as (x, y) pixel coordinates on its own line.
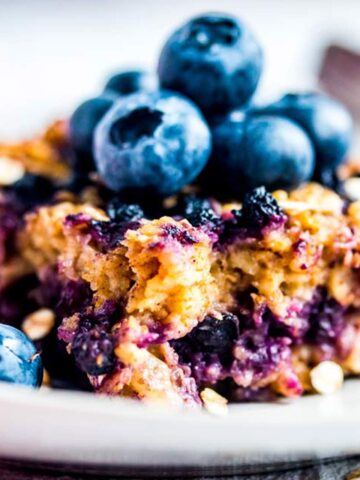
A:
(151, 142)
(326, 121)
(84, 120)
(249, 152)
(124, 83)
(32, 190)
(18, 362)
(213, 59)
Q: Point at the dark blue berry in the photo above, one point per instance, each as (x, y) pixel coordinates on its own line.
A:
(123, 212)
(93, 344)
(83, 122)
(261, 352)
(211, 336)
(80, 178)
(104, 235)
(216, 335)
(330, 179)
(19, 361)
(153, 143)
(259, 210)
(124, 83)
(215, 60)
(199, 212)
(252, 151)
(32, 190)
(325, 120)
(326, 319)
(74, 296)
(93, 351)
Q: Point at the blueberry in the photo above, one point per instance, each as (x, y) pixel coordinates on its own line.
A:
(19, 361)
(326, 121)
(122, 212)
(32, 190)
(216, 335)
(199, 211)
(104, 235)
(326, 319)
(215, 60)
(252, 151)
(153, 142)
(259, 210)
(330, 179)
(82, 125)
(93, 351)
(124, 83)
(211, 336)
(80, 178)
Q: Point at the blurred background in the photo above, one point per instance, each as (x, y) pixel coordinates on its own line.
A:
(54, 53)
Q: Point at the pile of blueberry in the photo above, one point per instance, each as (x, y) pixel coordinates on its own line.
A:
(195, 121)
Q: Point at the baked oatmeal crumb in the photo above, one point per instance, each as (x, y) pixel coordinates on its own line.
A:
(213, 402)
(39, 323)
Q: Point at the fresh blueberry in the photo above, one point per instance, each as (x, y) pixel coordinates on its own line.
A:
(153, 142)
(19, 361)
(249, 152)
(82, 125)
(215, 60)
(124, 83)
(326, 121)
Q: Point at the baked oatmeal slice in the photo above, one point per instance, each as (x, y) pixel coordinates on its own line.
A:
(236, 303)
(156, 274)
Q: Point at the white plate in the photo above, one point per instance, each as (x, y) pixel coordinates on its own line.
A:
(70, 427)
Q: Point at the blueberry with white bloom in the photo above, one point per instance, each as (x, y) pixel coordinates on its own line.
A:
(154, 142)
(19, 360)
(251, 151)
(213, 59)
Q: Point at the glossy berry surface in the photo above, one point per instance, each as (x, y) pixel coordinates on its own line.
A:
(153, 143)
(84, 120)
(213, 59)
(124, 83)
(325, 120)
(212, 336)
(249, 152)
(19, 360)
(216, 335)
